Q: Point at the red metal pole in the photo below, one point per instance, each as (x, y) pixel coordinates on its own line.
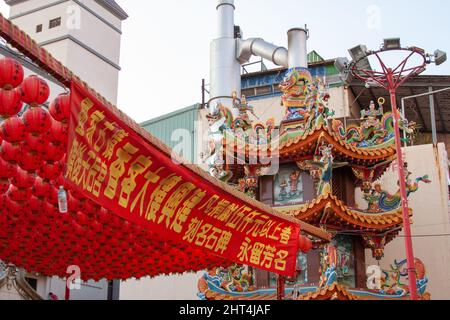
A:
(281, 287)
(404, 196)
(67, 297)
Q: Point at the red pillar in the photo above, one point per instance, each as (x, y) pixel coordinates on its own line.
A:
(404, 198)
(67, 297)
(281, 287)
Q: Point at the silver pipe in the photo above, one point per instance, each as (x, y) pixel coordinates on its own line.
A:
(259, 47)
(298, 51)
(225, 69)
(225, 19)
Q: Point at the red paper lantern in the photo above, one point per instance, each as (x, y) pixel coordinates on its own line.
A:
(37, 121)
(9, 152)
(29, 161)
(34, 144)
(12, 130)
(11, 73)
(22, 179)
(304, 244)
(4, 186)
(19, 195)
(60, 107)
(6, 169)
(52, 196)
(10, 102)
(36, 204)
(50, 170)
(58, 133)
(41, 188)
(54, 153)
(35, 91)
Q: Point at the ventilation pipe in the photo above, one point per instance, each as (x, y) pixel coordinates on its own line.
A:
(225, 70)
(228, 52)
(259, 47)
(297, 44)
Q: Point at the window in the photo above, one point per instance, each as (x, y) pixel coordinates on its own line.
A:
(288, 188)
(345, 260)
(55, 23)
(32, 282)
(39, 28)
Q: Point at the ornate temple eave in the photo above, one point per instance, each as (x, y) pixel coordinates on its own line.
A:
(332, 292)
(328, 210)
(304, 146)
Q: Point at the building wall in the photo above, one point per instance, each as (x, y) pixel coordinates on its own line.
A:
(178, 130)
(431, 217)
(94, 40)
(182, 287)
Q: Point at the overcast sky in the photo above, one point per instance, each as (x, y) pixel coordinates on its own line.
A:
(165, 44)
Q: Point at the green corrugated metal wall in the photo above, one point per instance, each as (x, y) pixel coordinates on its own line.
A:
(164, 127)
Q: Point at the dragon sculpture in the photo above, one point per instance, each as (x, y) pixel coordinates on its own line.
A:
(373, 132)
(380, 200)
(233, 279)
(394, 281)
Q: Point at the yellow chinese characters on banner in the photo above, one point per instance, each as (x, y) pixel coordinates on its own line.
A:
(116, 167)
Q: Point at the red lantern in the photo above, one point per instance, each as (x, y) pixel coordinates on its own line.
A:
(41, 188)
(35, 91)
(60, 107)
(50, 170)
(304, 244)
(36, 204)
(54, 153)
(22, 179)
(34, 145)
(12, 130)
(52, 196)
(37, 121)
(58, 133)
(10, 102)
(19, 195)
(10, 152)
(29, 161)
(4, 186)
(6, 169)
(11, 73)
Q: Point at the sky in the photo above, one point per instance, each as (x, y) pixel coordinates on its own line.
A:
(165, 44)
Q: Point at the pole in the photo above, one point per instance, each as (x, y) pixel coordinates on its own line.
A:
(403, 193)
(281, 287)
(433, 117)
(67, 297)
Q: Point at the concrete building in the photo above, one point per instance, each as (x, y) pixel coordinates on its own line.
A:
(78, 33)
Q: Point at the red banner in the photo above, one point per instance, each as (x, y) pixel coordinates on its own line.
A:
(136, 178)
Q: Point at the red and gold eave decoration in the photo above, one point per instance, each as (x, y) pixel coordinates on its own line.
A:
(34, 235)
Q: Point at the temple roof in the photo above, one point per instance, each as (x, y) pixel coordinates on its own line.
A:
(329, 210)
(296, 146)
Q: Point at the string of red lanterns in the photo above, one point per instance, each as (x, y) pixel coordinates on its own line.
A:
(34, 235)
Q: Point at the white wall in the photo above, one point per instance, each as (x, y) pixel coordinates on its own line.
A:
(431, 217)
(162, 288)
(92, 32)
